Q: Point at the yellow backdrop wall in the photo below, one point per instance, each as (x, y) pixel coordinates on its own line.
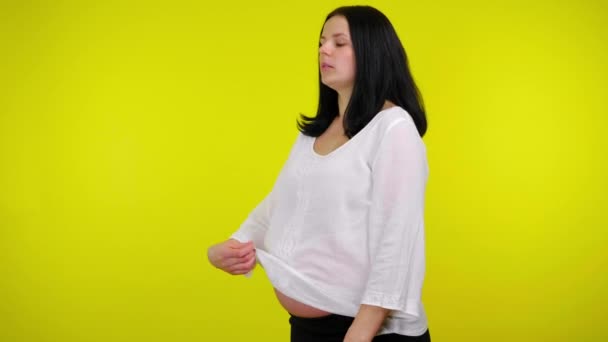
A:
(135, 134)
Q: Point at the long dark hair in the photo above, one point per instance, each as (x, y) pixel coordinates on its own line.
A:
(382, 73)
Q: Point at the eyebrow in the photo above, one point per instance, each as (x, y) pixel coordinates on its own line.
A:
(336, 35)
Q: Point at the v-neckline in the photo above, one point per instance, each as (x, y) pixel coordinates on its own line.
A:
(347, 142)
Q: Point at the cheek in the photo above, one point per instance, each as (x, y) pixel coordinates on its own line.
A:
(351, 64)
(351, 61)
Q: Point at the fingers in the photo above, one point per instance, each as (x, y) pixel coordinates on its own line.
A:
(239, 250)
(242, 268)
(230, 262)
(244, 251)
(234, 257)
(232, 243)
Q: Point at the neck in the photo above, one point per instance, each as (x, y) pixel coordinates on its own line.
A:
(343, 99)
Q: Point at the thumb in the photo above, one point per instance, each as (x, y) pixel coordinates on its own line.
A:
(238, 245)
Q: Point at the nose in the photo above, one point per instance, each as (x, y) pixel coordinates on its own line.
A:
(324, 49)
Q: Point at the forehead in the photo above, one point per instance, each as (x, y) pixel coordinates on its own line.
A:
(335, 25)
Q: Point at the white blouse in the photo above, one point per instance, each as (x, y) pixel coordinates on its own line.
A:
(347, 228)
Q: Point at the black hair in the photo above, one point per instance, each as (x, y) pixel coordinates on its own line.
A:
(382, 73)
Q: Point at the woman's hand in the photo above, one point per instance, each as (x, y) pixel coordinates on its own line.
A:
(354, 337)
(232, 256)
(366, 324)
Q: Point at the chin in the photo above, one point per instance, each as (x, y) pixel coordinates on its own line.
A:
(332, 85)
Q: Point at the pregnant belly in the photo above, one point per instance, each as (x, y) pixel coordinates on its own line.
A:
(299, 309)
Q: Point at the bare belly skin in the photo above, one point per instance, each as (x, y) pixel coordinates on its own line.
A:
(299, 309)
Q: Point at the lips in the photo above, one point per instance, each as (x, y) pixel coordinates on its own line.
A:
(326, 65)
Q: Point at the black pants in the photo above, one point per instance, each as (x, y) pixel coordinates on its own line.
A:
(333, 328)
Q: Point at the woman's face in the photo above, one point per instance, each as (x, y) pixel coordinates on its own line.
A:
(336, 55)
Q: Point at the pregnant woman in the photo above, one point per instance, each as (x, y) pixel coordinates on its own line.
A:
(341, 233)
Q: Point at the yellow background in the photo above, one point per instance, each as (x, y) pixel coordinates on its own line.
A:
(134, 135)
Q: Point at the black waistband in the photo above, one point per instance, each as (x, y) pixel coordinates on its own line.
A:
(332, 323)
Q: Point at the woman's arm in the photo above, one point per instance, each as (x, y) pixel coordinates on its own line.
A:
(257, 222)
(366, 324)
(396, 230)
(255, 225)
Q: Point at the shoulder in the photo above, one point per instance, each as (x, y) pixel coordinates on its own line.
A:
(397, 135)
(301, 139)
(299, 143)
(387, 119)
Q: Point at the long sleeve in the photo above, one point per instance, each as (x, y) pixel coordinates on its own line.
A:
(396, 221)
(255, 225)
